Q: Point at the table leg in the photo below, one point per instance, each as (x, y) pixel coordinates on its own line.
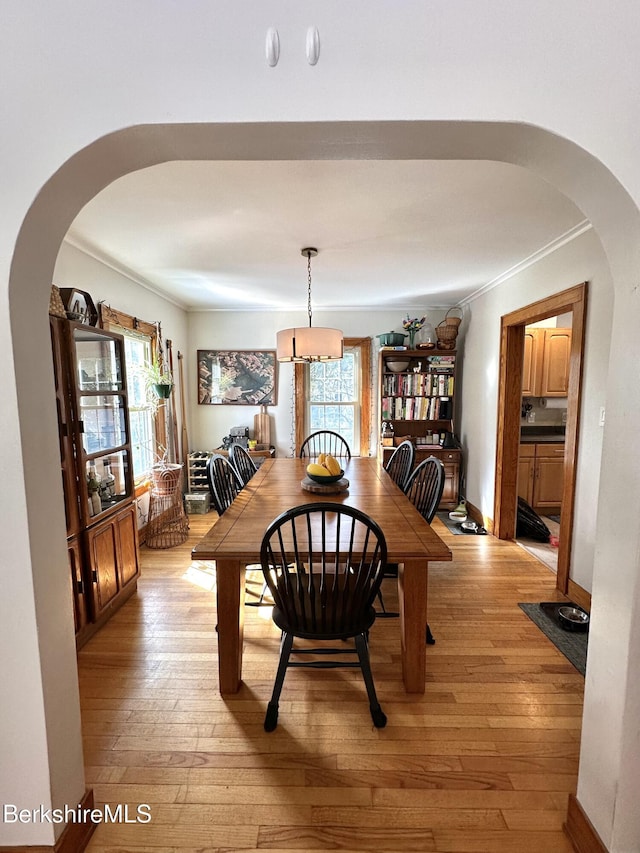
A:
(412, 592)
(230, 601)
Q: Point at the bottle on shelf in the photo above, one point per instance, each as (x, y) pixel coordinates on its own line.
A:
(93, 487)
(391, 433)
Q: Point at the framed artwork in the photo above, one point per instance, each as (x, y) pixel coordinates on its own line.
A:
(237, 377)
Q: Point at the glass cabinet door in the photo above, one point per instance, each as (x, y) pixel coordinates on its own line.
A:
(102, 428)
(102, 422)
(98, 360)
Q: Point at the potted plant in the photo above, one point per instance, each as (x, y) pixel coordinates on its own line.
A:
(165, 476)
(158, 381)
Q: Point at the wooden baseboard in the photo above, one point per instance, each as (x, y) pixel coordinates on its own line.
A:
(581, 597)
(74, 839)
(479, 518)
(580, 830)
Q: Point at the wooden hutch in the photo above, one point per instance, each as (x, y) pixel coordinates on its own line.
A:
(95, 457)
(418, 400)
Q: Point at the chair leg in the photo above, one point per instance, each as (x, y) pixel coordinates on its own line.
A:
(377, 714)
(271, 717)
(384, 613)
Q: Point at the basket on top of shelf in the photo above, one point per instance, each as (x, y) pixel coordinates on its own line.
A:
(453, 321)
(447, 330)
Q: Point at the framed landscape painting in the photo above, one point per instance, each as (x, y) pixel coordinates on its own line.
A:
(237, 377)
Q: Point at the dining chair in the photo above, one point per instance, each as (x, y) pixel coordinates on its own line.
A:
(323, 564)
(244, 465)
(400, 463)
(224, 482)
(325, 441)
(224, 485)
(424, 489)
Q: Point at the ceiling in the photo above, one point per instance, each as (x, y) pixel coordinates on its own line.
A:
(389, 234)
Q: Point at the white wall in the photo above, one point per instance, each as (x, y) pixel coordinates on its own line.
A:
(76, 268)
(580, 260)
(246, 330)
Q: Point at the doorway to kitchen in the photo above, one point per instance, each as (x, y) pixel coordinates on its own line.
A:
(512, 349)
(543, 418)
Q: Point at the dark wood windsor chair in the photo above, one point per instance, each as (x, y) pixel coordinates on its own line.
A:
(323, 564)
(400, 463)
(424, 489)
(325, 441)
(244, 465)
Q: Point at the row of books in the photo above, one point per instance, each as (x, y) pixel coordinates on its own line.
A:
(417, 385)
(416, 409)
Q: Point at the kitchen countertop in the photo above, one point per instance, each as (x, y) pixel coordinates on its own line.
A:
(542, 434)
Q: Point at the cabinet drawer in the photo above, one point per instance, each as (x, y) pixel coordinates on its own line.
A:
(550, 451)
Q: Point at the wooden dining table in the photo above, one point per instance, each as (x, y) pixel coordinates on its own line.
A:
(235, 538)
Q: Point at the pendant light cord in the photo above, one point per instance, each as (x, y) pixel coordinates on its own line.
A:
(309, 286)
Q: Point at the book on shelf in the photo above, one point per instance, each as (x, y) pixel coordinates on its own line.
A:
(393, 349)
(416, 409)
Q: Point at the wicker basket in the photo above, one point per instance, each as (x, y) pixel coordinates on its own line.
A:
(452, 320)
(56, 305)
(446, 335)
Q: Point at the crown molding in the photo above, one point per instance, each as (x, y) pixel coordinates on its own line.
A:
(91, 251)
(532, 259)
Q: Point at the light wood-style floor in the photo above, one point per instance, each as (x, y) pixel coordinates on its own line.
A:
(482, 763)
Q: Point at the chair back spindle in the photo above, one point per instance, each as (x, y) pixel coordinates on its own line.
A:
(325, 441)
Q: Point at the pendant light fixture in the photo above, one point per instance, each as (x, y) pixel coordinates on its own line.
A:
(309, 343)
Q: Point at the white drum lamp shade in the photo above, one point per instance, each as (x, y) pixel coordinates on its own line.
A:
(309, 343)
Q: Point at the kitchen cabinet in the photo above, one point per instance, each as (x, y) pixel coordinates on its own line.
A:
(95, 462)
(546, 362)
(541, 475)
(526, 472)
(418, 401)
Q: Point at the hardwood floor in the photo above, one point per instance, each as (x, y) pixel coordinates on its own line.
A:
(482, 763)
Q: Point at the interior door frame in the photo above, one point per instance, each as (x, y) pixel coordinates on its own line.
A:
(573, 300)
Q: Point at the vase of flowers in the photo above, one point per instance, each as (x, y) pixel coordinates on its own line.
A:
(411, 326)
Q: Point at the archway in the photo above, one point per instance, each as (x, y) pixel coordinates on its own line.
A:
(572, 170)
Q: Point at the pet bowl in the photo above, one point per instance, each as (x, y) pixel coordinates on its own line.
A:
(325, 481)
(458, 517)
(397, 366)
(573, 619)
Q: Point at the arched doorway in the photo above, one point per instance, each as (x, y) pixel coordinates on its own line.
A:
(589, 184)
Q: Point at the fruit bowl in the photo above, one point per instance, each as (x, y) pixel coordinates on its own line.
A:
(325, 481)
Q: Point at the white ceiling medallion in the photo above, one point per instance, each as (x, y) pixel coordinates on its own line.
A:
(272, 46)
(313, 45)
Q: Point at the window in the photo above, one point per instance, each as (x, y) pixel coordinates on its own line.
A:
(334, 397)
(140, 342)
(137, 354)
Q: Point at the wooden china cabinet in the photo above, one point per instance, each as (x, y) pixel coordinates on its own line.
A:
(95, 457)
